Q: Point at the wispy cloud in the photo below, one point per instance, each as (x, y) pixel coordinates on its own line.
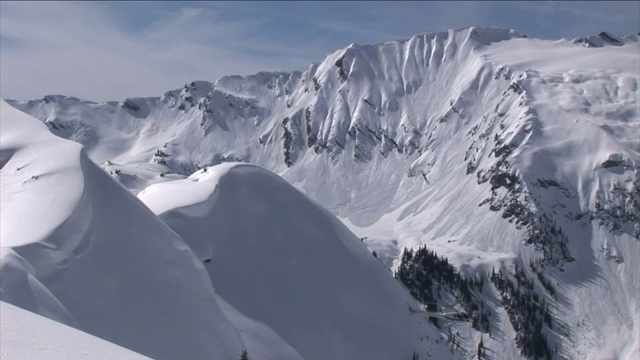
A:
(113, 50)
(578, 18)
(421, 17)
(77, 49)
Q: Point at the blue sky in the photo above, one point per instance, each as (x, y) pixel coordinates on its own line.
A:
(113, 50)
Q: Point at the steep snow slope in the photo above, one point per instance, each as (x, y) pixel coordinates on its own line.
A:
(29, 336)
(80, 249)
(489, 147)
(282, 260)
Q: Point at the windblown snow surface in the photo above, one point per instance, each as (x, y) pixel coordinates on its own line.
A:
(297, 284)
(490, 148)
(286, 262)
(80, 249)
(26, 335)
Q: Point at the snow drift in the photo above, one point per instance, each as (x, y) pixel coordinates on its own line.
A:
(26, 335)
(80, 249)
(282, 260)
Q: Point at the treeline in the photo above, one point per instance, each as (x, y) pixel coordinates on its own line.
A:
(528, 312)
(426, 275)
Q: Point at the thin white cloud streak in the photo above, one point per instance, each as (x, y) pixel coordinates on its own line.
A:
(579, 18)
(424, 17)
(90, 51)
(74, 49)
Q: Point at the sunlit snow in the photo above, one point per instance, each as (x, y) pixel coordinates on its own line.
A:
(461, 140)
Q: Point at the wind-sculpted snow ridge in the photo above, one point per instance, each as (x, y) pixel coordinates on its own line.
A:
(26, 335)
(489, 147)
(285, 262)
(81, 250)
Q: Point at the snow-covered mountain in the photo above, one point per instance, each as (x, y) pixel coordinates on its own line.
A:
(80, 249)
(495, 150)
(289, 264)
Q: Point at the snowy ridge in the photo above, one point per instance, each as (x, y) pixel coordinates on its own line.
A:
(489, 147)
(283, 261)
(605, 39)
(109, 267)
(29, 336)
(101, 262)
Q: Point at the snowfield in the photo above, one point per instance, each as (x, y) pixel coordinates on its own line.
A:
(284, 261)
(26, 335)
(103, 262)
(495, 150)
(296, 284)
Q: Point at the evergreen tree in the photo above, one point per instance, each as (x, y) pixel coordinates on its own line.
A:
(426, 275)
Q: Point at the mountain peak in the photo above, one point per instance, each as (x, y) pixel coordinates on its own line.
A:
(605, 38)
(263, 239)
(483, 35)
(494, 150)
(489, 35)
